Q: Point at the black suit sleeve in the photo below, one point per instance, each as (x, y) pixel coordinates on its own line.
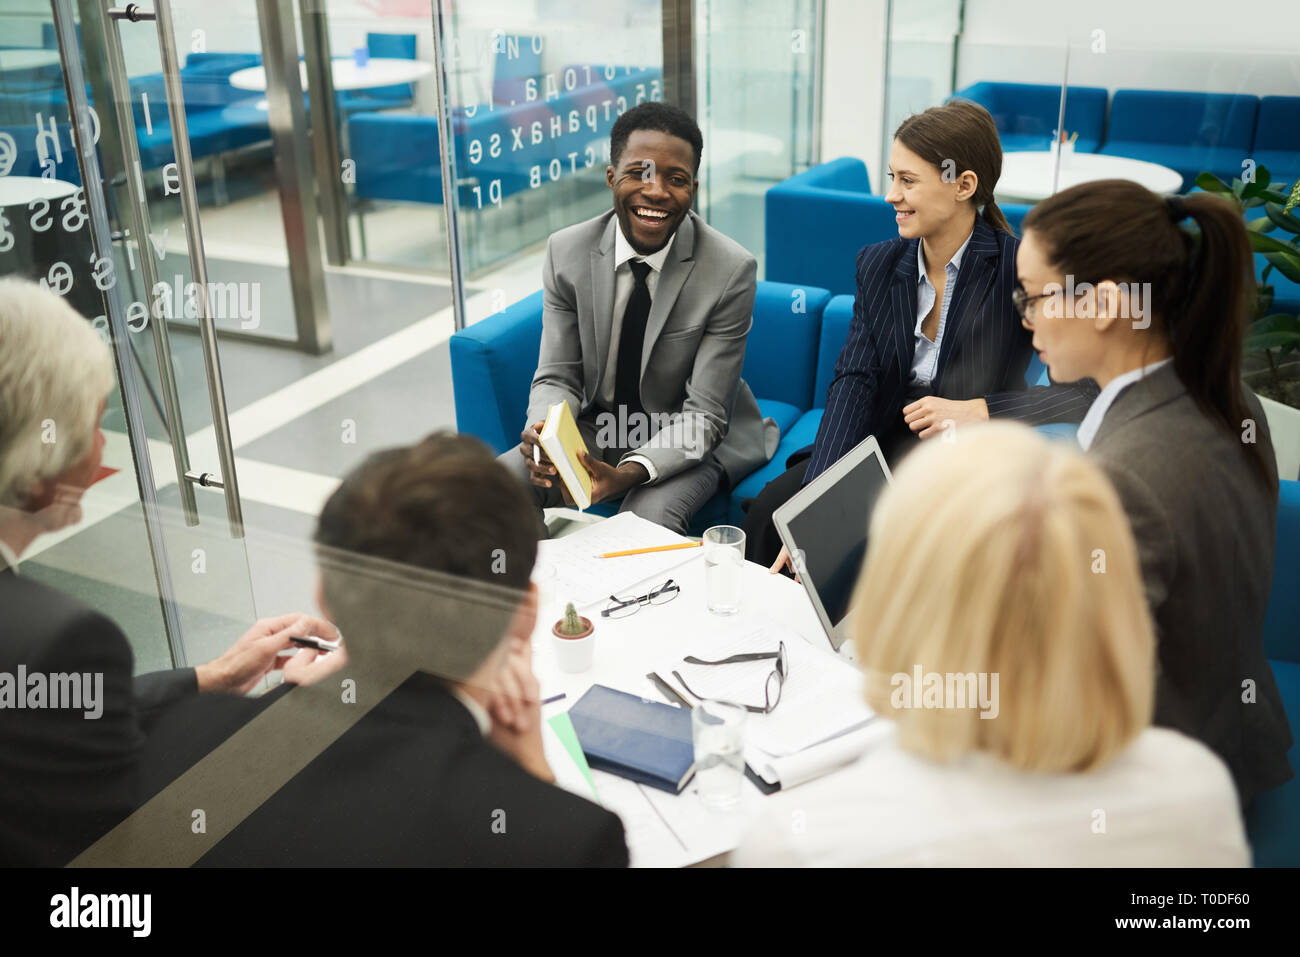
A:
(157, 690)
(607, 846)
(70, 773)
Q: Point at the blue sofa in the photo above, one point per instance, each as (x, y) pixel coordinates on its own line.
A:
(1277, 137)
(1273, 822)
(1026, 114)
(796, 337)
(398, 156)
(832, 201)
(1187, 132)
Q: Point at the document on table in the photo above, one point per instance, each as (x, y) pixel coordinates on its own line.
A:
(583, 579)
(821, 698)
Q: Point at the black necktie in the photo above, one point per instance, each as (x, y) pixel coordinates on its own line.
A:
(627, 374)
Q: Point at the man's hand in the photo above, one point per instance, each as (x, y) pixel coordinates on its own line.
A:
(540, 470)
(930, 415)
(255, 654)
(309, 666)
(516, 711)
(608, 481)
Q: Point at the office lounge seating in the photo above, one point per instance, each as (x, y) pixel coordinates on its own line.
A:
(796, 337)
(390, 46)
(1273, 821)
(1027, 114)
(831, 203)
(1187, 132)
(1277, 137)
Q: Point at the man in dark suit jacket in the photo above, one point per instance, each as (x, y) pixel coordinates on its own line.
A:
(1205, 526)
(647, 311)
(68, 759)
(984, 355)
(426, 554)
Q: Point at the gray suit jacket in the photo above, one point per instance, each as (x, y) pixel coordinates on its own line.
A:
(1205, 526)
(694, 343)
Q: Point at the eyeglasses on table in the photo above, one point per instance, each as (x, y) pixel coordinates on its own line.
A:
(622, 607)
(771, 690)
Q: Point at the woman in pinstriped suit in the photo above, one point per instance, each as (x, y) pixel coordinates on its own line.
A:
(935, 340)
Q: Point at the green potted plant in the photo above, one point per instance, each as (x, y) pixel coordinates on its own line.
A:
(1272, 366)
(574, 644)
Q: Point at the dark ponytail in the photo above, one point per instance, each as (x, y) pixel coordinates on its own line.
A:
(962, 133)
(1201, 281)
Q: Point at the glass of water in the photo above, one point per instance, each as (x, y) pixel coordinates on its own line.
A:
(724, 564)
(718, 729)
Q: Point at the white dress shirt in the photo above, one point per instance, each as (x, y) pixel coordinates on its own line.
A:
(8, 556)
(1101, 405)
(1166, 801)
(925, 360)
(624, 284)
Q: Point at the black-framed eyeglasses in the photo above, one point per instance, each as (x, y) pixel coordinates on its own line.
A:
(775, 680)
(622, 607)
(1021, 299)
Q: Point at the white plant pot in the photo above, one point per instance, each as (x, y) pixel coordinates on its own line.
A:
(1284, 429)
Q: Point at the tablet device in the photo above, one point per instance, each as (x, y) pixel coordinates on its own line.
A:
(826, 524)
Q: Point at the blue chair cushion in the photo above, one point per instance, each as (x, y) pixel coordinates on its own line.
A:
(783, 413)
(492, 363)
(803, 433)
(781, 352)
(1026, 114)
(836, 319)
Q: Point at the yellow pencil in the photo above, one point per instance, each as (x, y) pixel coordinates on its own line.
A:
(656, 548)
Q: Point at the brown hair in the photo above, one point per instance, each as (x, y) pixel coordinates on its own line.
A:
(1201, 281)
(964, 133)
(425, 552)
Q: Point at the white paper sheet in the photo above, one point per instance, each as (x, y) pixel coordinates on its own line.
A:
(822, 696)
(585, 580)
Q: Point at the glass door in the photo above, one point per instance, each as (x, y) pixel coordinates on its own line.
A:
(161, 548)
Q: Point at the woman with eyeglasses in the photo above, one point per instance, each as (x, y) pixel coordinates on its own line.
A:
(1118, 290)
(1027, 740)
(935, 338)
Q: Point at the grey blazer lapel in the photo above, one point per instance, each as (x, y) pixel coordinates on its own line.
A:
(678, 266)
(602, 303)
(1149, 392)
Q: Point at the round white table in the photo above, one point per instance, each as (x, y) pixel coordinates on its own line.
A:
(27, 59)
(380, 71)
(21, 190)
(1027, 176)
(666, 830)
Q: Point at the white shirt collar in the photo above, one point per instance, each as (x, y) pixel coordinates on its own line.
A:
(476, 711)
(954, 263)
(8, 554)
(623, 250)
(1101, 405)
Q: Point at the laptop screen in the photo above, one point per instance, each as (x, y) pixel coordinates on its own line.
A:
(832, 531)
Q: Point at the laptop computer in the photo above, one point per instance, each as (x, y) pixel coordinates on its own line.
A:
(824, 527)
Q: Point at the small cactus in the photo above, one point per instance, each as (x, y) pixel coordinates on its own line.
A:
(573, 625)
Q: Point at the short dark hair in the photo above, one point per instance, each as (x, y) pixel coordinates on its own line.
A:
(653, 115)
(435, 540)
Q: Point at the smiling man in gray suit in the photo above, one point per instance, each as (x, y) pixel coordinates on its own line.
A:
(644, 322)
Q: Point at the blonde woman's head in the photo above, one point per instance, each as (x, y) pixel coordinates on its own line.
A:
(1005, 555)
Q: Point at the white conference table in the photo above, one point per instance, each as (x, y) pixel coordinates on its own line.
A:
(20, 190)
(666, 830)
(1027, 176)
(379, 71)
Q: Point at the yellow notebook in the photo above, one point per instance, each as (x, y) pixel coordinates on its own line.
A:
(561, 441)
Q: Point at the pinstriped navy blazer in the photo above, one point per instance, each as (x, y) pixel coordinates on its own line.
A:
(984, 353)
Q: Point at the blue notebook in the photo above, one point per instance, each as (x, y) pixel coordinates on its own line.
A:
(646, 741)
